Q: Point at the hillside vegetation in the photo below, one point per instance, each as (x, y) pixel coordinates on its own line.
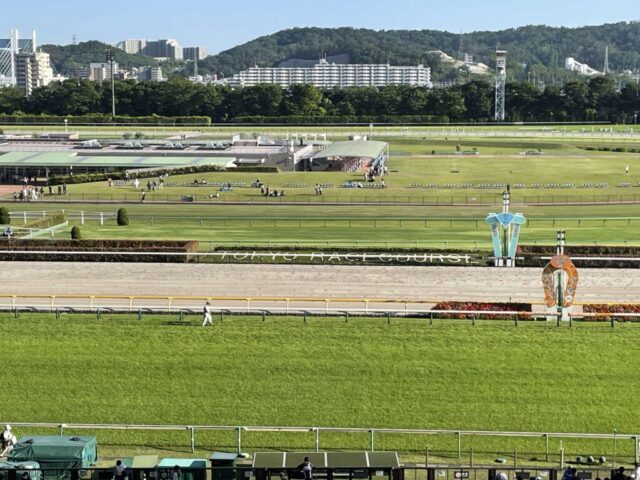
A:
(530, 45)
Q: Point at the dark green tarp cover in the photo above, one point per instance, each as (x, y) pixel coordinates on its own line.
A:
(56, 451)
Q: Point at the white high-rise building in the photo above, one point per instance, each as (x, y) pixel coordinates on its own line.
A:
(101, 72)
(132, 45)
(42, 70)
(22, 65)
(326, 75)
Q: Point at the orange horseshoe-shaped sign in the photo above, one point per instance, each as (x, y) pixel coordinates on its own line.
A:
(560, 263)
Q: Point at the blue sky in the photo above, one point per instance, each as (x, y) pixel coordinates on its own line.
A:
(222, 24)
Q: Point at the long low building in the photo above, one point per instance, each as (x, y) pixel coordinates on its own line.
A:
(17, 165)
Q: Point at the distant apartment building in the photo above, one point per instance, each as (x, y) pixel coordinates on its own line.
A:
(194, 53)
(169, 48)
(153, 74)
(133, 46)
(326, 75)
(81, 72)
(100, 72)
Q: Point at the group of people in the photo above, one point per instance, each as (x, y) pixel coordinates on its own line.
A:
(269, 192)
(122, 473)
(377, 171)
(571, 473)
(30, 193)
(27, 194)
(318, 189)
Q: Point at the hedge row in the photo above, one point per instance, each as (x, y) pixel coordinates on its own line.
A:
(103, 177)
(111, 248)
(612, 149)
(47, 222)
(341, 119)
(105, 119)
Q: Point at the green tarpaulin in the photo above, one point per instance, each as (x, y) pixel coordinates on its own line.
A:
(56, 451)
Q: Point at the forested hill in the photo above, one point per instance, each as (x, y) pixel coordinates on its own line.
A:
(531, 45)
(65, 59)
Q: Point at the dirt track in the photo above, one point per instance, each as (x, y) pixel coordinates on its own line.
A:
(413, 283)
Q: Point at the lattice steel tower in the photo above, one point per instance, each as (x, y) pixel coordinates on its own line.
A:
(501, 83)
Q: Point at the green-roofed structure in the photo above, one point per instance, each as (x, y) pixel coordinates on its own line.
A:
(350, 156)
(45, 164)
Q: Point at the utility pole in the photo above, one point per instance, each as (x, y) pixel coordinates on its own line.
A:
(109, 59)
(501, 81)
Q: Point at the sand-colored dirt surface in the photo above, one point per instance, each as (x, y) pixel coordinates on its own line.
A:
(412, 283)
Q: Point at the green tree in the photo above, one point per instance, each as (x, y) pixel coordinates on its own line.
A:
(305, 100)
(11, 100)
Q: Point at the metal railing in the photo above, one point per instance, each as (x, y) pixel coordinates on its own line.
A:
(230, 304)
(316, 431)
(463, 199)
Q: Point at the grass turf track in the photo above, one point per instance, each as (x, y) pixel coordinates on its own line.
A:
(365, 373)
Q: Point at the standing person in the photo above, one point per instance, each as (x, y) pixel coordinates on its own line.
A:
(9, 440)
(175, 474)
(307, 469)
(206, 319)
(121, 470)
(64, 188)
(144, 195)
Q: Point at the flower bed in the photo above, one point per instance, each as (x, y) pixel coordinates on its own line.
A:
(524, 308)
(608, 311)
(532, 252)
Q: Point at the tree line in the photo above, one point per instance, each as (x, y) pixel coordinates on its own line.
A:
(596, 100)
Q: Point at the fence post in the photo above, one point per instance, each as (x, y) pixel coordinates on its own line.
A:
(101, 218)
(193, 439)
(317, 435)
(239, 440)
(24, 215)
(459, 444)
(546, 447)
(82, 217)
(371, 443)
(635, 450)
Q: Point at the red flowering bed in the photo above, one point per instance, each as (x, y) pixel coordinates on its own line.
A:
(484, 307)
(607, 311)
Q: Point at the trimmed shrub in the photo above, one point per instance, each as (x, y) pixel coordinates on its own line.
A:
(5, 218)
(123, 217)
(75, 233)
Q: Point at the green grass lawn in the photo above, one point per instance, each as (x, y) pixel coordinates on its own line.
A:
(363, 373)
(443, 227)
(406, 173)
